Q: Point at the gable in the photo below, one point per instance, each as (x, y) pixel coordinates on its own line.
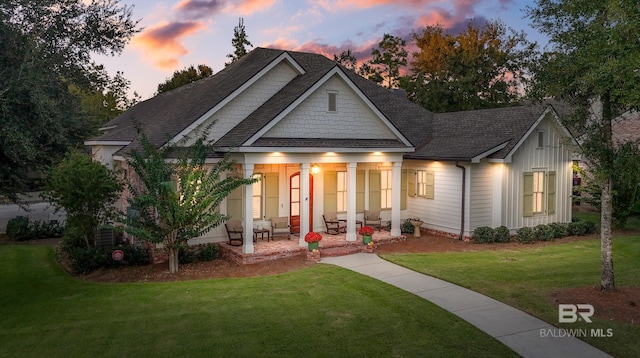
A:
(543, 150)
(352, 119)
(221, 119)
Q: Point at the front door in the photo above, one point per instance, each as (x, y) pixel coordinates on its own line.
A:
(296, 201)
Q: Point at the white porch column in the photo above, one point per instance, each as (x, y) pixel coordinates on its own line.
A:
(395, 198)
(304, 202)
(351, 201)
(247, 220)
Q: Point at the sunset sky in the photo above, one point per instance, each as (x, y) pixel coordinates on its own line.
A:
(180, 33)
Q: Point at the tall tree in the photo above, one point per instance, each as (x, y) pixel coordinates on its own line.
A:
(593, 64)
(482, 67)
(46, 46)
(184, 77)
(177, 202)
(387, 60)
(240, 41)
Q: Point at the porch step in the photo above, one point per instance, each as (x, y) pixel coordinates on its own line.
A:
(339, 250)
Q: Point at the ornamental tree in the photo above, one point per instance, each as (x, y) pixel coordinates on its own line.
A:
(177, 202)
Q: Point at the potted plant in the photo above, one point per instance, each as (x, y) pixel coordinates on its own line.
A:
(366, 232)
(313, 239)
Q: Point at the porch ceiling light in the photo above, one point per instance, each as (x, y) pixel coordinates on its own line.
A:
(315, 169)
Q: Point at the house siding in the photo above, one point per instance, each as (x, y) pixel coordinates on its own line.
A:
(554, 156)
(442, 213)
(311, 119)
(480, 195)
(249, 100)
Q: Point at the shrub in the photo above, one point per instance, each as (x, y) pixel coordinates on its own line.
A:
(483, 235)
(186, 255)
(406, 227)
(576, 228)
(502, 234)
(524, 235)
(559, 230)
(18, 228)
(135, 255)
(543, 232)
(208, 252)
(85, 260)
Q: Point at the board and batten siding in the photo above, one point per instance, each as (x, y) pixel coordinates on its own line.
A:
(442, 213)
(481, 177)
(554, 156)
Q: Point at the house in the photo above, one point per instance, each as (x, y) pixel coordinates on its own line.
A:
(323, 139)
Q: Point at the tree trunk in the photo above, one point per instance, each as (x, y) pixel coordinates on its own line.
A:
(607, 283)
(173, 260)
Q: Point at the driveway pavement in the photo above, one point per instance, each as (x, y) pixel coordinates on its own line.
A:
(517, 330)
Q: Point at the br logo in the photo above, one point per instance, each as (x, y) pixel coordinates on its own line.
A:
(568, 313)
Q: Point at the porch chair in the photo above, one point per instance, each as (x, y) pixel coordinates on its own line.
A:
(234, 231)
(280, 227)
(334, 225)
(372, 218)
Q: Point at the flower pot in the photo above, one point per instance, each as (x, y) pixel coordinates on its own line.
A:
(313, 246)
(366, 239)
(416, 228)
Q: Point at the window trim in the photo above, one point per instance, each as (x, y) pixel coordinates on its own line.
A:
(386, 194)
(260, 185)
(332, 95)
(425, 184)
(341, 207)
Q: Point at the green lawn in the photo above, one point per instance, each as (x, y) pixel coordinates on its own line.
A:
(524, 278)
(322, 311)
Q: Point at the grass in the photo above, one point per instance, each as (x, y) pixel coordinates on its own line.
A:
(320, 311)
(525, 278)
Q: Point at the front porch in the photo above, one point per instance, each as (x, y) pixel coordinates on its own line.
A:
(280, 248)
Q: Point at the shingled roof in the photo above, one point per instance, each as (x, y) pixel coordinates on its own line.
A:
(447, 136)
(469, 134)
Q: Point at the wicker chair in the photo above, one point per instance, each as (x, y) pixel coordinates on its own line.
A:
(372, 218)
(234, 231)
(280, 227)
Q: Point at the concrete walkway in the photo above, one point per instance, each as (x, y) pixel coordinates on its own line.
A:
(517, 330)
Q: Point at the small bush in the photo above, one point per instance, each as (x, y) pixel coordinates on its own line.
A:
(524, 235)
(483, 235)
(85, 260)
(543, 232)
(576, 228)
(502, 234)
(135, 255)
(186, 255)
(208, 252)
(18, 228)
(559, 230)
(406, 227)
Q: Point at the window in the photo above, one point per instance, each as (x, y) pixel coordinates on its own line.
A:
(425, 184)
(540, 139)
(332, 99)
(385, 189)
(257, 197)
(538, 193)
(341, 192)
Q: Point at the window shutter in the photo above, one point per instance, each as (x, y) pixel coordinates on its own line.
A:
(360, 176)
(375, 201)
(330, 191)
(527, 199)
(551, 193)
(429, 187)
(271, 195)
(234, 204)
(403, 189)
(412, 183)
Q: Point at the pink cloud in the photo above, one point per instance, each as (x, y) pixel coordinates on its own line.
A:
(246, 7)
(160, 44)
(334, 5)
